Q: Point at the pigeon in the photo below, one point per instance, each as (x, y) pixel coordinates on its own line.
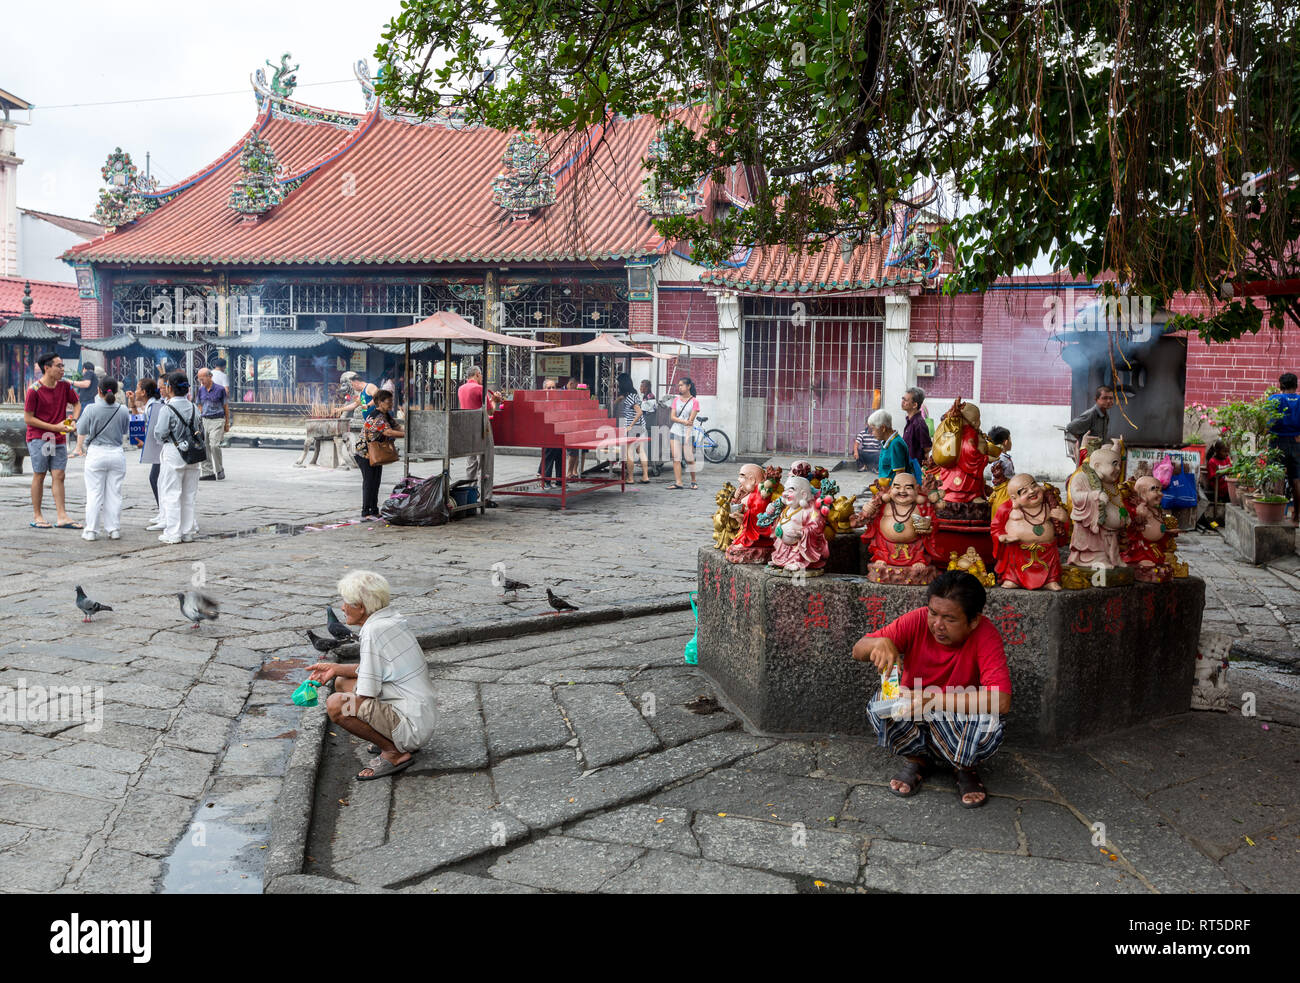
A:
(337, 628)
(559, 603)
(512, 585)
(88, 606)
(196, 607)
(323, 644)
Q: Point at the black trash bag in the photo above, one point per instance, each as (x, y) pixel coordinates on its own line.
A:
(417, 502)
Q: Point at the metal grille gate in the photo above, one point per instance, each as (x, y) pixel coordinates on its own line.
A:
(809, 373)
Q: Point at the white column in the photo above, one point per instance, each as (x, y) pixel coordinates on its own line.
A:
(726, 415)
(896, 369)
(9, 162)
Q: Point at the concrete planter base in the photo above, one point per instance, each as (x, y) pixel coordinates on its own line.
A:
(1083, 663)
(1257, 542)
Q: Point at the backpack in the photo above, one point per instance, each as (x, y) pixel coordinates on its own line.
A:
(191, 448)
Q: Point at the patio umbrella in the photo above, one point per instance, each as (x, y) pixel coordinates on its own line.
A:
(442, 326)
(607, 344)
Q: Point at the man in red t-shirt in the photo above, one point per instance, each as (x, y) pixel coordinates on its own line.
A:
(471, 394)
(45, 408)
(954, 685)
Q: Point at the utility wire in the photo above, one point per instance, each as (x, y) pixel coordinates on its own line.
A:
(199, 95)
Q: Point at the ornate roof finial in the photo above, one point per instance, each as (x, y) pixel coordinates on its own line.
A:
(121, 202)
(667, 201)
(526, 184)
(258, 190)
(27, 299)
(283, 82)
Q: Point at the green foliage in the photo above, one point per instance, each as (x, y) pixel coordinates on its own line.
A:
(1245, 424)
(1100, 134)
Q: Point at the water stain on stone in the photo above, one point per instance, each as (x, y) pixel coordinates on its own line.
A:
(281, 669)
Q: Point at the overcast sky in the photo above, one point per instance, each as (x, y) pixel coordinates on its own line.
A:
(59, 52)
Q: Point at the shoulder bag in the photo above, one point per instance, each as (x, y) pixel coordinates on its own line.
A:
(191, 448)
(380, 452)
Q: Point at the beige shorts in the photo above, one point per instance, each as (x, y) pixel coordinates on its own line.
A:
(378, 715)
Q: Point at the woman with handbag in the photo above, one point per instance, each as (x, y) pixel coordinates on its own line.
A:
(106, 422)
(179, 429)
(376, 448)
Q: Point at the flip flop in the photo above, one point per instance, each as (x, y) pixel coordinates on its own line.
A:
(678, 487)
(968, 780)
(382, 768)
(40, 525)
(68, 525)
(910, 774)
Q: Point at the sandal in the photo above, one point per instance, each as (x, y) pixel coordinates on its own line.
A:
(694, 486)
(68, 525)
(40, 525)
(382, 768)
(678, 487)
(910, 774)
(968, 781)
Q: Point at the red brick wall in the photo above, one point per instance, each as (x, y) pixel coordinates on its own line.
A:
(1021, 361)
(690, 314)
(640, 316)
(953, 377)
(703, 371)
(97, 315)
(1241, 369)
(948, 320)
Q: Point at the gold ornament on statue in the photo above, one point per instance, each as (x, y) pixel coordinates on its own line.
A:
(726, 524)
(841, 515)
(972, 563)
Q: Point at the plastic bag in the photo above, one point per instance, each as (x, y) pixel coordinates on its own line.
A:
(1181, 492)
(947, 442)
(1164, 471)
(691, 652)
(417, 502)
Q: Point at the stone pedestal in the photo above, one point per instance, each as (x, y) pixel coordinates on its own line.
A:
(1255, 541)
(1083, 663)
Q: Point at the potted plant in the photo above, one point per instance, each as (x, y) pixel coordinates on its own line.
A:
(1267, 475)
(1245, 424)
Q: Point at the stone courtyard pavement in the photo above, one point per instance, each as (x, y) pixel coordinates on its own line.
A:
(583, 759)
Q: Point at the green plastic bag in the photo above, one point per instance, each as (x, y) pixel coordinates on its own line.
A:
(691, 653)
(305, 695)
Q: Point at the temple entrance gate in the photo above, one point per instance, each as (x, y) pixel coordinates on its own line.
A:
(809, 370)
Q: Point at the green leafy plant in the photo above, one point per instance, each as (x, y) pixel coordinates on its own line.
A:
(1265, 475)
(1245, 426)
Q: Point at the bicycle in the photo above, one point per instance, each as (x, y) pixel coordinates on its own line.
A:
(714, 444)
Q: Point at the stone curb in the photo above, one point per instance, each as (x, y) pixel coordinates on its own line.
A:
(291, 820)
(1286, 658)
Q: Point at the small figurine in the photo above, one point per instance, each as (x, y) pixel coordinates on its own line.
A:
(1097, 509)
(1210, 685)
(753, 542)
(800, 538)
(961, 452)
(897, 527)
(725, 524)
(972, 563)
(841, 517)
(1026, 531)
(1149, 550)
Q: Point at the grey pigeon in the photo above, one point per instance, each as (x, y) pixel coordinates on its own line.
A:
(88, 606)
(559, 603)
(197, 607)
(323, 644)
(512, 585)
(337, 628)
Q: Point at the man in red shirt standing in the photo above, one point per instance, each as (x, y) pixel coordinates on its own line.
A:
(954, 686)
(471, 395)
(45, 410)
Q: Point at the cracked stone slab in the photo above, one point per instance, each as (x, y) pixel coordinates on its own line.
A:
(198, 731)
(763, 794)
(126, 736)
(119, 872)
(609, 728)
(935, 815)
(467, 833)
(92, 755)
(905, 868)
(46, 774)
(1054, 831)
(53, 810)
(671, 721)
(660, 828)
(522, 718)
(816, 853)
(659, 872)
(177, 772)
(1271, 866)
(453, 882)
(545, 804)
(419, 801)
(558, 863)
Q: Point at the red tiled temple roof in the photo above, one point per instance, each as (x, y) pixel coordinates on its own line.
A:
(781, 269)
(50, 301)
(422, 193)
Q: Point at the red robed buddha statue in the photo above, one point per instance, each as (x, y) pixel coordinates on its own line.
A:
(754, 492)
(1026, 531)
(961, 452)
(897, 527)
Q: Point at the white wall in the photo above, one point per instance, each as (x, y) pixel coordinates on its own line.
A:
(40, 243)
(1037, 447)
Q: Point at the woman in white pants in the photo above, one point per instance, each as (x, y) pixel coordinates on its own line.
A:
(100, 431)
(178, 482)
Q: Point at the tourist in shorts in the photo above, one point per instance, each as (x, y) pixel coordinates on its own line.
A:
(45, 410)
(682, 416)
(387, 698)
